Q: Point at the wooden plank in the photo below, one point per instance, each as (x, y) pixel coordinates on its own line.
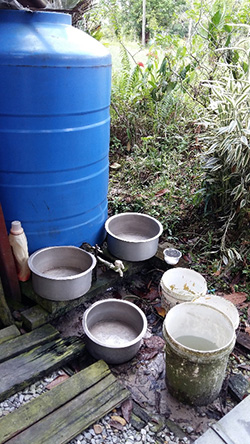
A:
(38, 408)
(8, 333)
(75, 416)
(7, 264)
(35, 317)
(19, 372)
(26, 342)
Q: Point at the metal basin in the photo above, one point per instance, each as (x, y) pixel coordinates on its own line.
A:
(133, 236)
(114, 330)
(61, 273)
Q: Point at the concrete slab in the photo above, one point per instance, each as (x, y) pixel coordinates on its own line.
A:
(234, 428)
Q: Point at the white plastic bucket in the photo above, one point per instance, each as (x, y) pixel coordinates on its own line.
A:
(181, 285)
(195, 373)
(223, 305)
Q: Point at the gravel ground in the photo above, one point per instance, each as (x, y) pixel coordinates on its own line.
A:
(101, 432)
(129, 435)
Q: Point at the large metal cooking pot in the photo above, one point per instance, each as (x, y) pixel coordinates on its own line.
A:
(61, 273)
(114, 330)
(133, 236)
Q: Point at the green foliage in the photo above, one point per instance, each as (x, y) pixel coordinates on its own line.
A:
(142, 104)
(206, 74)
(160, 14)
(226, 160)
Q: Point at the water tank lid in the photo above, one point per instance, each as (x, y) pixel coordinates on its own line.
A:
(38, 38)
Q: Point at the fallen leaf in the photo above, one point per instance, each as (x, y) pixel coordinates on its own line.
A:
(217, 272)
(236, 298)
(151, 347)
(162, 192)
(155, 342)
(244, 367)
(152, 294)
(147, 354)
(116, 425)
(119, 419)
(57, 381)
(161, 311)
(127, 409)
(98, 428)
(235, 281)
(187, 258)
(115, 166)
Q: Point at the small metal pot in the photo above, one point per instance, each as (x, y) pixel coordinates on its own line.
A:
(61, 273)
(133, 236)
(114, 330)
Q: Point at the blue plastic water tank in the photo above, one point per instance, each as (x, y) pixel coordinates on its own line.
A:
(54, 129)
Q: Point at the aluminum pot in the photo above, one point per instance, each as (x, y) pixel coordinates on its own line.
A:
(61, 273)
(114, 330)
(133, 236)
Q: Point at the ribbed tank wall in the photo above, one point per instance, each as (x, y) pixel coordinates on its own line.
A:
(54, 129)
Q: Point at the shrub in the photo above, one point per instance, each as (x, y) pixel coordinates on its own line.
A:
(226, 159)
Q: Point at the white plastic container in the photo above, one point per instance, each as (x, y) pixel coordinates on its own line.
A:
(171, 256)
(223, 305)
(19, 245)
(180, 285)
(199, 340)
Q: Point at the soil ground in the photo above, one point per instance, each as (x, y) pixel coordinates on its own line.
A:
(144, 376)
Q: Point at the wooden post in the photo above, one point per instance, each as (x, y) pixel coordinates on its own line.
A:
(8, 272)
(5, 314)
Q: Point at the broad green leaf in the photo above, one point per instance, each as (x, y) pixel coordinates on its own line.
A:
(245, 66)
(227, 28)
(216, 18)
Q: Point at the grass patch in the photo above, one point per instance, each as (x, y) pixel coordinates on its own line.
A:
(157, 179)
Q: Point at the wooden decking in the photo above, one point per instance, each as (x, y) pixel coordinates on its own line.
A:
(66, 410)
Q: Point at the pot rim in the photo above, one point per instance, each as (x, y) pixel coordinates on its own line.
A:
(98, 342)
(60, 278)
(130, 241)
